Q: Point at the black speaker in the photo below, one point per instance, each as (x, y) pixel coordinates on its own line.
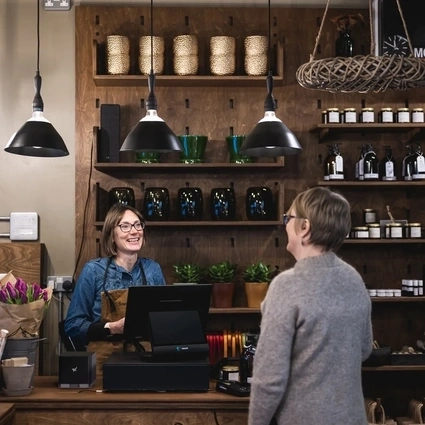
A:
(77, 369)
(109, 136)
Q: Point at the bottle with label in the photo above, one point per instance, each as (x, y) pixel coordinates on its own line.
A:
(418, 164)
(334, 164)
(370, 164)
(359, 173)
(388, 166)
(407, 166)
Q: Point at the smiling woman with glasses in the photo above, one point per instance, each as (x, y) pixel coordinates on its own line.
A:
(316, 324)
(88, 321)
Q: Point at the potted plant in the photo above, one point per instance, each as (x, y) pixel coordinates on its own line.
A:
(188, 273)
(257, 277)
(222, 277)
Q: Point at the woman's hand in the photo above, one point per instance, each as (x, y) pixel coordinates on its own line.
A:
(117, 327)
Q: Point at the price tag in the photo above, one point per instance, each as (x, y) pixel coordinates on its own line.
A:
(421, 164)
(339, 163)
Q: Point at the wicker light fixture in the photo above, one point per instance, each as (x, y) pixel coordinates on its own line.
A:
(362, 74)
(151, 133)
(270, 137)
(37, 137)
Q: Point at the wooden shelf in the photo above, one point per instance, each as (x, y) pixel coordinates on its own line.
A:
(187, 80)
(325, 130)
(389, 368)
(371, 184)
(384, 241)
(235, 310)
(398, 299)
(104, 167)
(151, 224)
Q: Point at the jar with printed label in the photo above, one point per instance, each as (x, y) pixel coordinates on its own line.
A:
(417, 115)
(403, 115)
(374, 230)
(369, 216)
(350, 116)
(413, 230)
(395, 231)
(332, 116)
(361, 232)
(367, 115)
(386, 115)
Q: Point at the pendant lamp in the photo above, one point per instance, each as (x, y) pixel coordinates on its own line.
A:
(37, 137)
(270, 137)
(151, 133)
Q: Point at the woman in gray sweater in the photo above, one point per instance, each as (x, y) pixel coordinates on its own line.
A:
(316, 324)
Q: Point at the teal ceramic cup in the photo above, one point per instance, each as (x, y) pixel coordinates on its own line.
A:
(234, 144)
(147, 157)
(193, 148)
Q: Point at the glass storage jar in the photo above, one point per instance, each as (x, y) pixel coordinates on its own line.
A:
(386, 115)
(350, 116)
(403, 115)
(332, 116)
(367, 115)
(374, 230)
(417, 115)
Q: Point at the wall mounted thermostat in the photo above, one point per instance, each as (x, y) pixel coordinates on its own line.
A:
(57, 4)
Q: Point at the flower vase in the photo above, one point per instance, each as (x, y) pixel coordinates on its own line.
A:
(344, 44)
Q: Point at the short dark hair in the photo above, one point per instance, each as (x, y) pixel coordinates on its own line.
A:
(329, 214)
(114, 216)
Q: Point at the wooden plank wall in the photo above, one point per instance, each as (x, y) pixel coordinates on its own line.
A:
(382, 266)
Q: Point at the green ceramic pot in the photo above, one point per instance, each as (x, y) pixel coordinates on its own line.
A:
(147, 157)
(234, 144)
(193, 148)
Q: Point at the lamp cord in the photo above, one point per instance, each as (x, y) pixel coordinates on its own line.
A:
(270, 103)
(151, 103)
(270, 43)
(152, 36)
(38, 37)
(37, 103)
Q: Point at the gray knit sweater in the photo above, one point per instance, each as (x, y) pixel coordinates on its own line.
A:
(315, 332)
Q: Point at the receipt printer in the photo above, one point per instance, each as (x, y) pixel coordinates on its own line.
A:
(77, 369)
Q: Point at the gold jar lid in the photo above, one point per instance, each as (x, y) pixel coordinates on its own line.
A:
(230, 368)
(386, 109)
(333, 110)
(360, 228)
(395, 225)
(403, 110)
(350, 109)
(367, 109)
(373, 225)
(368, 210)
(417, 109)
(414, 224)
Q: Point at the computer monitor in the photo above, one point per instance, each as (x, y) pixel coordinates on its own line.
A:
(172, 317)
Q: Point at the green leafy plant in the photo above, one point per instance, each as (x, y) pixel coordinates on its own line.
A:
(222, 272)
(257, 272)
(189, 273)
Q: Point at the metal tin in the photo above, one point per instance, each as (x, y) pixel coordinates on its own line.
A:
(417, 115)
(367, 115)
(403, 115)
(386, 115)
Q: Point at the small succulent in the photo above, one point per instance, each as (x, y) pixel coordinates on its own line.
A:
(257, 272)
(222, 272)
(189, 273)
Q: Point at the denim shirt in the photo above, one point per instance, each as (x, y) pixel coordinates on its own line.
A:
(85, 306)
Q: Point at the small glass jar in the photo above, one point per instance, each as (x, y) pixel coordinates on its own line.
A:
(230, 373)
(413, 230)
(403, 115)
(350, 116)
(369, 216)
(374, 230)
(367, 115)
(332, 116)
(386, 115)
(361, 232)
(417, 115)
(396, 230)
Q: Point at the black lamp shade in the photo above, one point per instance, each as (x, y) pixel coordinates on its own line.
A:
(271, 138)
(151, 136)
(37, 138)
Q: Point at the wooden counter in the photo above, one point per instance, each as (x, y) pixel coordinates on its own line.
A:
(7, 413)
(48, 404)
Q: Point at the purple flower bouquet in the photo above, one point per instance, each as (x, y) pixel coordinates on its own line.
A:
(22, 306)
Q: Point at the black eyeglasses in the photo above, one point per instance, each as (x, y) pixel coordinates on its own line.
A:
(126, 227)
(287, 217)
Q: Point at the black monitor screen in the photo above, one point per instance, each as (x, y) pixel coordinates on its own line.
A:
(178, 311)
